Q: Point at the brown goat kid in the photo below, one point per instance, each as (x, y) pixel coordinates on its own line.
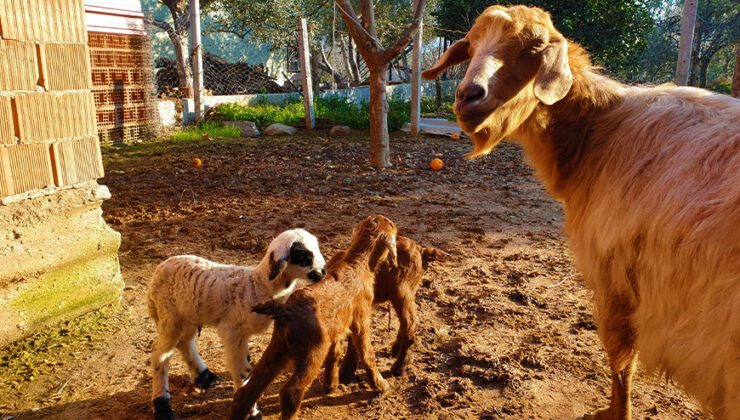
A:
(397, 284)
(311, 326)
(650, 183)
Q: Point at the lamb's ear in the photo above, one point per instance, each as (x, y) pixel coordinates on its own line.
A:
(554, 79)
(456, 54)
(277, 266)
(385, 249)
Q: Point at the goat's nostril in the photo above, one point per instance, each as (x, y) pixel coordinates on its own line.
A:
(471, 93)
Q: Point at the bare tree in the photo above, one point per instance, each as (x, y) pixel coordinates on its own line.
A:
(377, 59)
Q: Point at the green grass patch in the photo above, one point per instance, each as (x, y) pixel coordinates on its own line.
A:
(213, 129)
(340, 111)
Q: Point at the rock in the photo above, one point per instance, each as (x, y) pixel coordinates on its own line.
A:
(247, 128)
(339, 130)
(279, 129)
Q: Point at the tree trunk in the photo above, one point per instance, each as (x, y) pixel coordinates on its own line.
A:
(353, 62)
(184, 71)
(345, 58)
(379, 140)
(688, 21)
(736, 78)
(703, 67)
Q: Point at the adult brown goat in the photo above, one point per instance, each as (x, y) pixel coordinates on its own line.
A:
(650, 181)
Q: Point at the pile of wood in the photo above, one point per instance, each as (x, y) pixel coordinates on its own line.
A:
(221, 77)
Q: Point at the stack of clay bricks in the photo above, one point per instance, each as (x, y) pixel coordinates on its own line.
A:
(48, 136)
(122, 86)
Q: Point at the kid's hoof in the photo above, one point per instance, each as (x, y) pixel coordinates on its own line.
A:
(206, 379)
(398, 368)
(163, 409)
(383, 386)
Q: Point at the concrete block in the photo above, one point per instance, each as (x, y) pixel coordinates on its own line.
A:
(54, 116)
(7, 132)
(64, 261)
(64, 67)
(25, 167)
(43, 20)
(76, 161)
(18, 68)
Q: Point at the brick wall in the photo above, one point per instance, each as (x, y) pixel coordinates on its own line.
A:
(122, 86)
(48, 134)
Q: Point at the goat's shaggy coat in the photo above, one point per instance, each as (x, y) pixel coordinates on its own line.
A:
(398, 285)
(312, 325)
(650, 181)
(188, 292)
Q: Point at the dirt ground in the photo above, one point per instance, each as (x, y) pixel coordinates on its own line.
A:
(506, 327)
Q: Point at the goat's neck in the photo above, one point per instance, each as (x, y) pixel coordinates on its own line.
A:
(557, 139)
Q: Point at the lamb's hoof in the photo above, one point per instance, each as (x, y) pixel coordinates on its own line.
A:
(163, 409)
(206, 380)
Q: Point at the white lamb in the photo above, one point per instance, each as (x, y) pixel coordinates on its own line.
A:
(188, 292)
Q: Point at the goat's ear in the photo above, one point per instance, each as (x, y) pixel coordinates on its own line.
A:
(554, 79)
(456, 54)
(277, 266)
(385, 249)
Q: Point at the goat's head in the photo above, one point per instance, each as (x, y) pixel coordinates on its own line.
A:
(295, 254)
(517, 61)
(376, 234)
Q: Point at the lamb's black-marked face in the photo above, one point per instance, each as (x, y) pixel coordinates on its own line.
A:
(295, 254)
(301, 256)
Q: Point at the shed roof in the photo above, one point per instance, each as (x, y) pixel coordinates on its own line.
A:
(115, 17)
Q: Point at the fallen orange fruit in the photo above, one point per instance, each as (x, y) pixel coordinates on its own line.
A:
(436, 164)
(197, 162)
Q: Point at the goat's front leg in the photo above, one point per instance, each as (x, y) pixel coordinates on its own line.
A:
(363, 345)
(617, 335)
(236, 348)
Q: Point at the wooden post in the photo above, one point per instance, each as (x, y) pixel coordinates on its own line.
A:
(416, 78)
(303, 49)
(196, 56)
(688, 21)
(736, 77)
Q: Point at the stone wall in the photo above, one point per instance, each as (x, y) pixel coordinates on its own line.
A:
(57, 256)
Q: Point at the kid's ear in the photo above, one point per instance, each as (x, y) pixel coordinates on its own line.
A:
(277, 266)
(385, 249)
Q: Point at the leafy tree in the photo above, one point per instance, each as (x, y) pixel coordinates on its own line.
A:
(612, 31)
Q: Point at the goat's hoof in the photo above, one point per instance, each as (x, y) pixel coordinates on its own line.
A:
(256, 415)
(347, 377)
(397, 369)
(605, 414)
(206, 380)
(163, 409)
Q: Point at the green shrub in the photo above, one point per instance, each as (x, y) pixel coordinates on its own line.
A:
(213, 129)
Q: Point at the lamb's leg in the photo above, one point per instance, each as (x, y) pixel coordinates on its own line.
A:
(406, 310)
(331, 374)
(349, 364)
(236, 348)
(292, 393)
(617, 335)
(361, 339)
(162, 350)
(202, 376)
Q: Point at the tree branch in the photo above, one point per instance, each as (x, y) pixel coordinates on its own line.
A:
(408, 34)
(354, 27)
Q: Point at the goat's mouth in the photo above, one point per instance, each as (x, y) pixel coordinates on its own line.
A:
(471, 119)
